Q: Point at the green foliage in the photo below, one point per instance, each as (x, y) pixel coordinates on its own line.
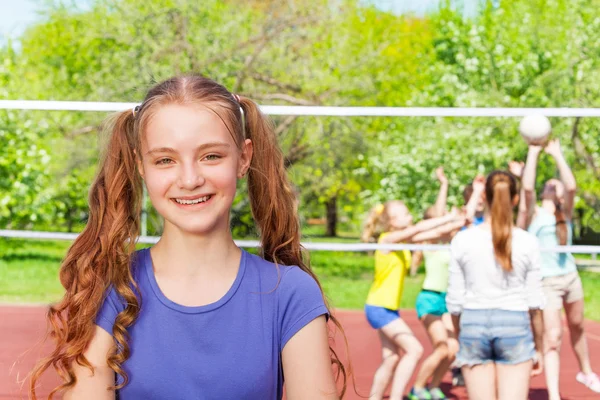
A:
(516, 54)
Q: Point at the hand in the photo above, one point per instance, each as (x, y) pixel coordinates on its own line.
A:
(439, 173)
(516, 168)
(479, 184)
(535, 149)
(538, 364)
(553, 148)
(454, 212)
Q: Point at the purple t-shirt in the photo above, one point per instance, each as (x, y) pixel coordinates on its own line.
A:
(230, 349)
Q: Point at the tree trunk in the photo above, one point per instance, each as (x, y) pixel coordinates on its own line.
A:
(332, 216)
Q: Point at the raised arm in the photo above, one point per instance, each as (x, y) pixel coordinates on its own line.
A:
(516, 168)
(566, 176)
(528, 183)
(440, 203)
(478, 188)
(440, 231)
(405, 235)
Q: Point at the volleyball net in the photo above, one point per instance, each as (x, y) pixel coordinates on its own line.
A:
(313, 111)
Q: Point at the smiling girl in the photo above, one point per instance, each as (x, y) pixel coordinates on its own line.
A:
(194, 316)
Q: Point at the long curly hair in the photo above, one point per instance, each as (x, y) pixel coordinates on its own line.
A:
(100, 257)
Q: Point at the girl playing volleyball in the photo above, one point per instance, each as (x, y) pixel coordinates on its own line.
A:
(392, 223)
(431, 303)
(551, 222)
(194, 316)
(495, 298)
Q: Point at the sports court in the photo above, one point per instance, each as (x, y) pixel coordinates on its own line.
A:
(23, 326)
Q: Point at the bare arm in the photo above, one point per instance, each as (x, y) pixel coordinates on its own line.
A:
(535, 302)
(456, 324)
(440, 203)
(528, 184)
(516, 168)
(405, 235)
(440, 231)
(478, 188)
(94, 386)
(566, 176)
(456, 285)
(307, 365)
(537, 327)
(417, 258)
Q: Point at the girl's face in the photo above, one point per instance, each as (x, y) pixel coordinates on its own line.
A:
(553, 190)
(190, 165)
(399, 216)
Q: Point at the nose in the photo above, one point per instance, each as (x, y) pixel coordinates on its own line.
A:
(190, 176)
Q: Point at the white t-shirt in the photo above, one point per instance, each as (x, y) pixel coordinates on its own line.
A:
(477, 281)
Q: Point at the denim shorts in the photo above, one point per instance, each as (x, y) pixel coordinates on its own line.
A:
(493, 335)
(430, 302)
(379, 317)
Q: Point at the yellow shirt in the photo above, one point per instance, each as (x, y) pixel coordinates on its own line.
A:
(390, 270)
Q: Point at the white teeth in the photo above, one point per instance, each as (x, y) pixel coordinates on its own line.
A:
(196, 201)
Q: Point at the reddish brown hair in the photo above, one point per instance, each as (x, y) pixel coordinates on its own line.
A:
(562, 233)
(100, 257)
(500, 190)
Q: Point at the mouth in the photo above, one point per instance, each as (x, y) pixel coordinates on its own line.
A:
(191, 201)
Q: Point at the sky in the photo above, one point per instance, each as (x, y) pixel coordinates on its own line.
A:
(16, 15)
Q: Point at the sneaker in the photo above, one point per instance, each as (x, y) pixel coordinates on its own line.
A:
(419, 394)
(590, 380)
(457, 377)
(437, 394)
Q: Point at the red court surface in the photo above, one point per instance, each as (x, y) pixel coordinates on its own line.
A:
(23, 326)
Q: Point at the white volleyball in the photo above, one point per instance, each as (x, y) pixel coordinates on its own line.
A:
(535, 129)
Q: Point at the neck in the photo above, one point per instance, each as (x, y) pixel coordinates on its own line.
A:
(182, 253)
(487, 219)
(548, 205)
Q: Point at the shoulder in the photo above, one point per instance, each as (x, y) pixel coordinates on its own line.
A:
(525, 238)
(283, 278)
(462, 236)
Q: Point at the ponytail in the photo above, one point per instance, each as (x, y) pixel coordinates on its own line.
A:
(98, 259)
(561, 225)
(372, 229)
(501, 189)
(272, 200)
(273, 204)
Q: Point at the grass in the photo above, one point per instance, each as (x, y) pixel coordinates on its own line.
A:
(29, 274)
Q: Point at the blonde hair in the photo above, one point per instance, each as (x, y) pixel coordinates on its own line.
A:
(378, 221)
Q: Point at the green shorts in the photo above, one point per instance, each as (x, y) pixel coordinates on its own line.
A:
(430, 302)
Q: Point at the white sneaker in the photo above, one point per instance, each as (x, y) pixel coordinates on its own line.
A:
(590, 380)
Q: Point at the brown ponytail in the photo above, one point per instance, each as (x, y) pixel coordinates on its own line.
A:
(561, 225)
(99, 257)
(500, 190)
